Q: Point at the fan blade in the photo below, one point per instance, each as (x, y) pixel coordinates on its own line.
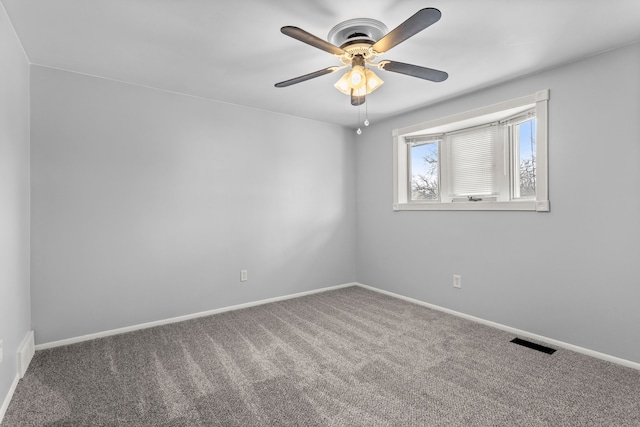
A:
(412, 26)
(306, 77)
(310, 39)
(414, 70)
(356, 100)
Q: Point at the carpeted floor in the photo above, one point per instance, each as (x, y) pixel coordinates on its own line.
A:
(349, 357)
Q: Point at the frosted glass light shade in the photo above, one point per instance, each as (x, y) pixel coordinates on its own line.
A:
(362, 80)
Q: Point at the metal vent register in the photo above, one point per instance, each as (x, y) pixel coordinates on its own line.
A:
(533, 346)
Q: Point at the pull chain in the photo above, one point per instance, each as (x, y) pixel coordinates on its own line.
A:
(366, 114)
(359, 131)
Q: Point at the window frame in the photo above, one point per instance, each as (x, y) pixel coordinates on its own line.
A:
(537, 101)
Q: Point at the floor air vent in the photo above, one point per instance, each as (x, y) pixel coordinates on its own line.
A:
(533, 346)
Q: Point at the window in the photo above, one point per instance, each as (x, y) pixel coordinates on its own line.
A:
(425, 177)
(493, 158)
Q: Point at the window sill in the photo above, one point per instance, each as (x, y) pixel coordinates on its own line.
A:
(524, 205)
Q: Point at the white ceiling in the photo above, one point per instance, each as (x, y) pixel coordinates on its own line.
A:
(234, 51)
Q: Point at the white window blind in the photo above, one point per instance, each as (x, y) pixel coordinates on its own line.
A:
(472, 156)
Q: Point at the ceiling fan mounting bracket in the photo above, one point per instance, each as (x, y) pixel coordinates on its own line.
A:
(357, 34)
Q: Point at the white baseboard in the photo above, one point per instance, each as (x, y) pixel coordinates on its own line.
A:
(111, 332)
(514, 331)
(7, 399)
(25, 353)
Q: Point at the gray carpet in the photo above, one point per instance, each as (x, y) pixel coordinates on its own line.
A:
(350, 357)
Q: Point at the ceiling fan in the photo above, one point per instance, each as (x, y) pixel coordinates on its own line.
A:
(357, 42)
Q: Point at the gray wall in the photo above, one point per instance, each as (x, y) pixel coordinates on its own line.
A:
(15, 314)
(570, 274)
(147, 204)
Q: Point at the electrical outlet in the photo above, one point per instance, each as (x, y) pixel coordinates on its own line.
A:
(457, 281)
(0, 351)
(244, 275)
